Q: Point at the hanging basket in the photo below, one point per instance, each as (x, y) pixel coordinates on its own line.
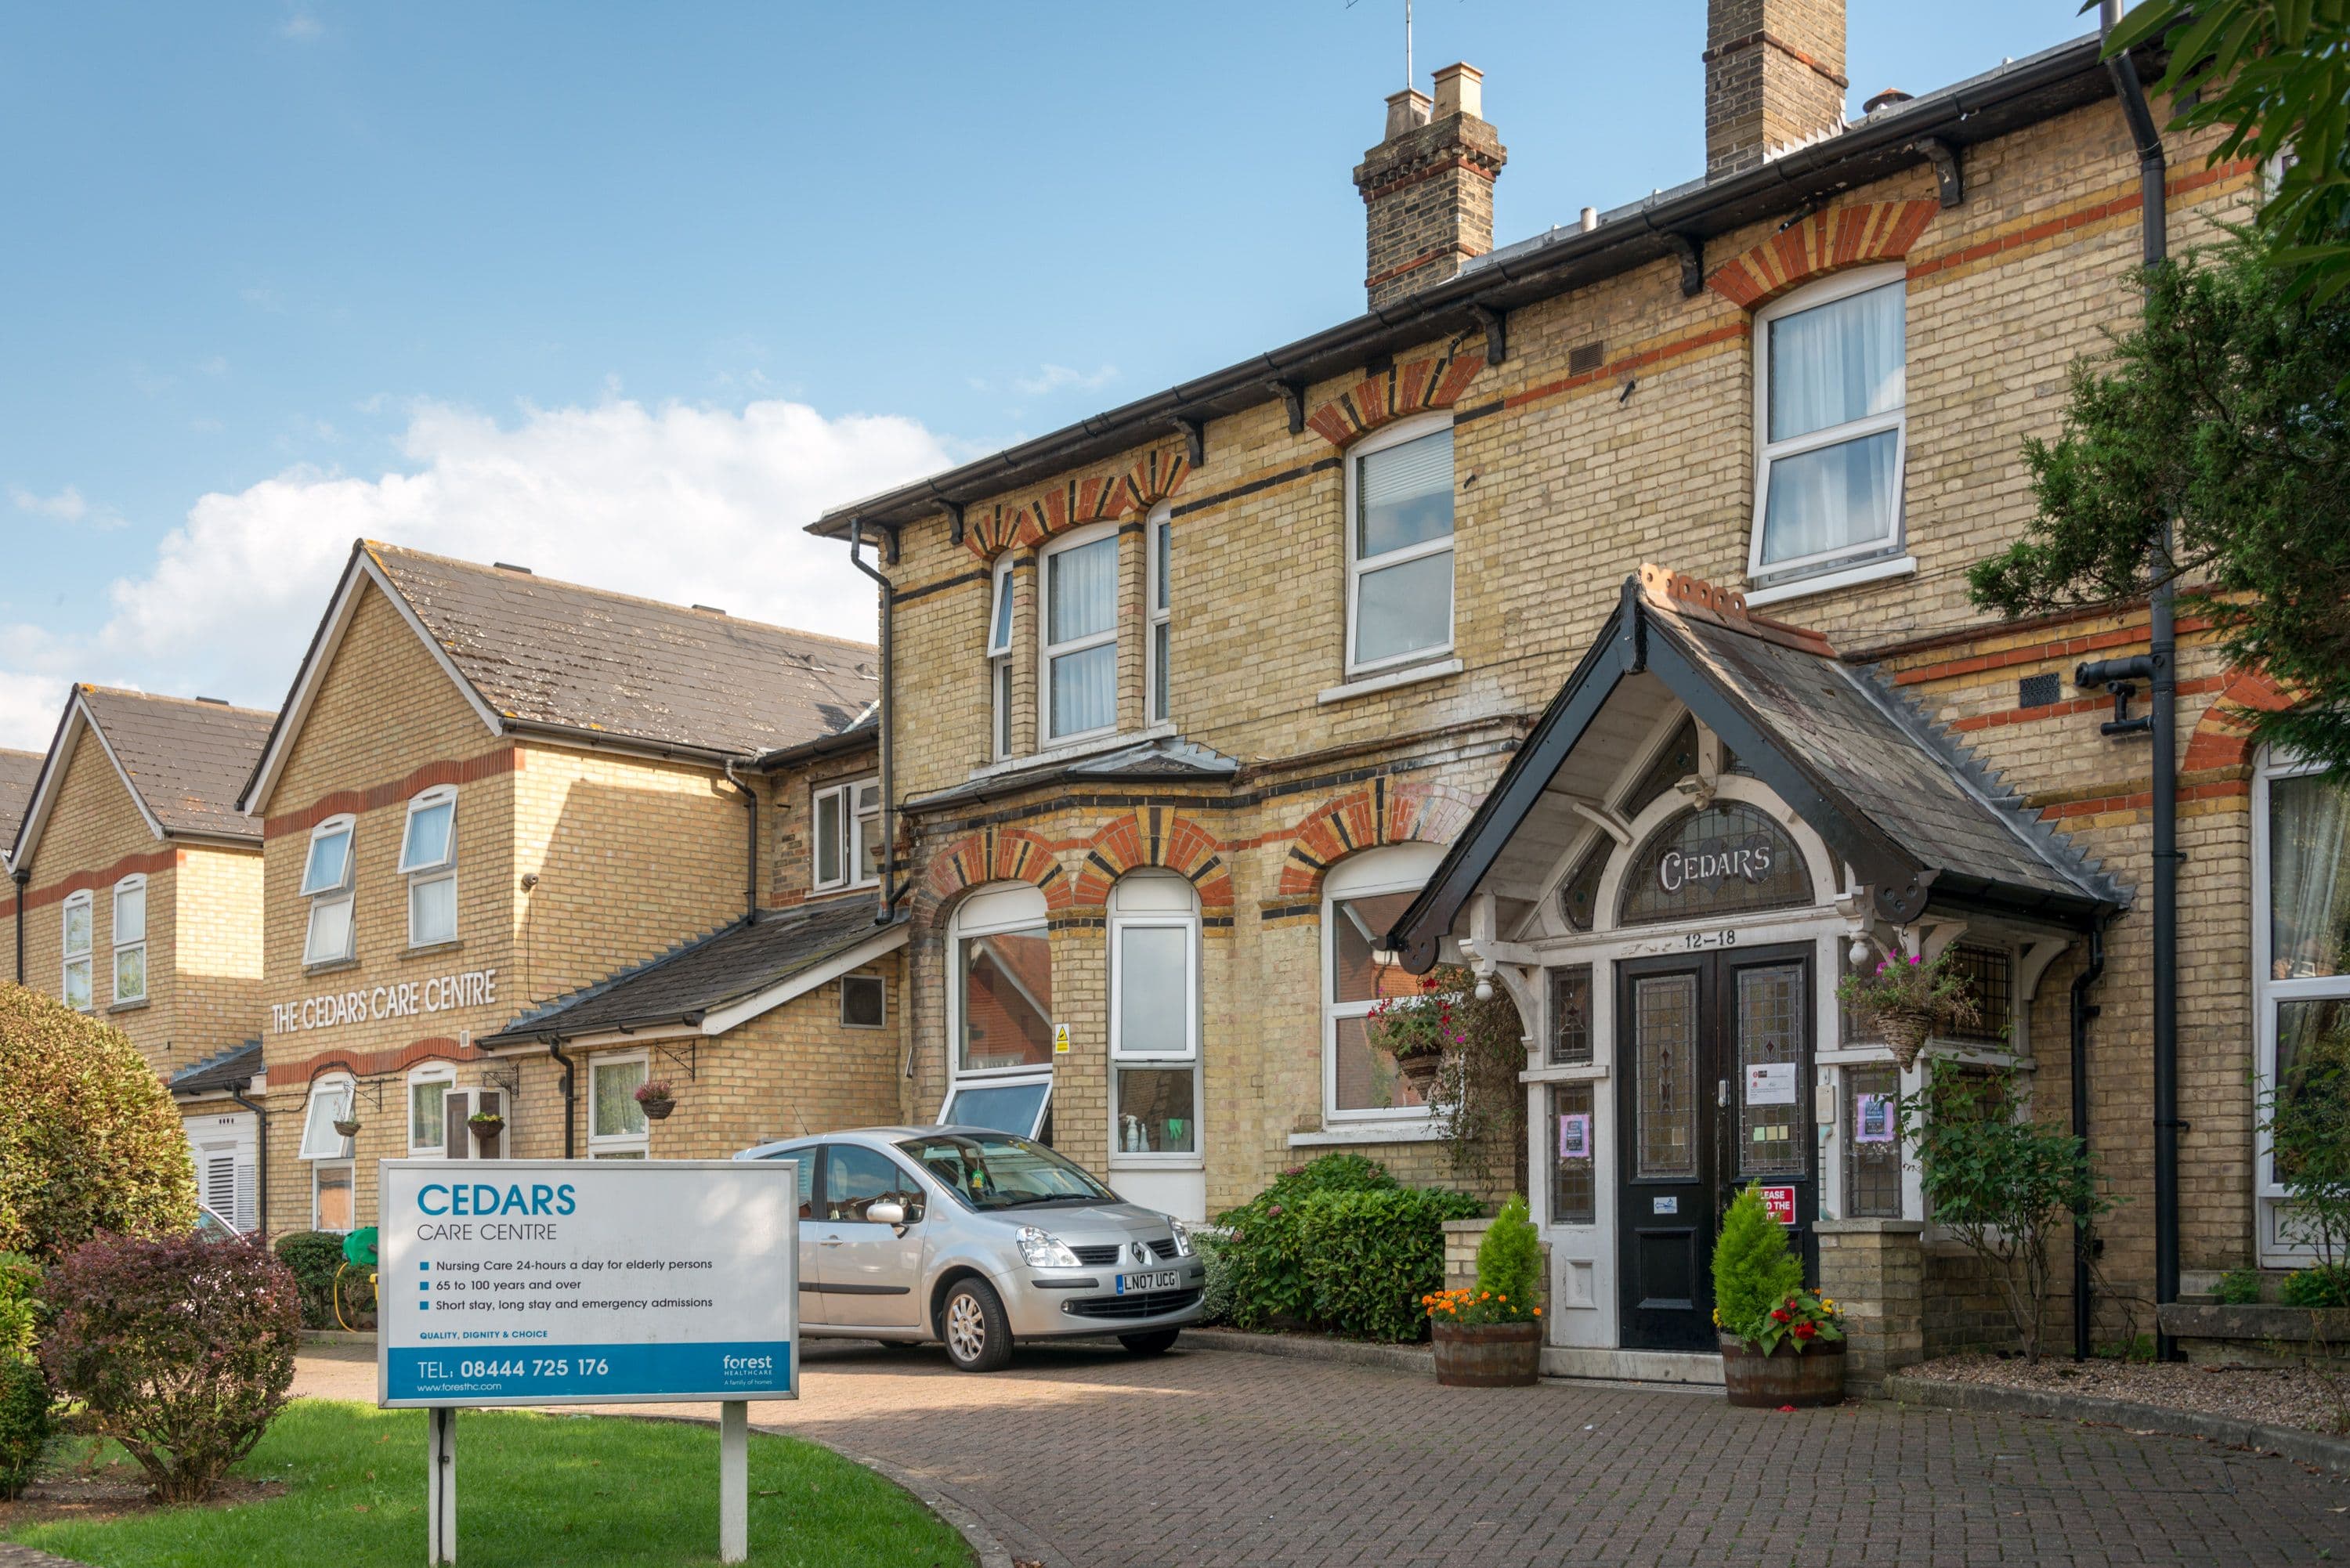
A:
(658, 1110)
(486, 1128)
(1420, 1071)
(1906, 1033)
(346, 1130)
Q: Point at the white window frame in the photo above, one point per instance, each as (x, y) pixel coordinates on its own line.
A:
(324, 895)
(879, 981)
(421, 873)
(970, 922)
(318, 1169)
(2268, 994)
(1396, 434)
(328, 1092)
(855, 820)
(1157, 538)
(1048, 650)
(1826, 291)
(1000, 618)
(1394, 868)
(1122, 920)
(84, 903)
(440, 1073)
(134, 882)
(1020, 1078)
(636, 1145)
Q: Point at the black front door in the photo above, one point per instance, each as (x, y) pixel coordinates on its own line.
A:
(1713, 1058)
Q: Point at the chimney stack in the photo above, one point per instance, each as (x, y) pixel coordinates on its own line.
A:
(1428, 186)
(1773, 78)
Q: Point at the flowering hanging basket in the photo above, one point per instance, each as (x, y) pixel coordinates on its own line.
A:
(656, 1099)
(1906, 1033)
(1906, 997)
(346, 1130)
(1420, 1071)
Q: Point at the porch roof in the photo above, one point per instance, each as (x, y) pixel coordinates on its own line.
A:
(1916, 817)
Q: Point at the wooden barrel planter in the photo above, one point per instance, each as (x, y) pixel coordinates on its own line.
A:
(1812, 1377)
(1488, 1354)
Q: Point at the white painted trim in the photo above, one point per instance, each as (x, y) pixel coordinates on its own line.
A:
(1412, 676)
(887, 940)
(620, 1143)
(1368, 1132)
(2270, 1199)
(78, 717)
(1013, 766)
(1828, 582)
(1075, 539)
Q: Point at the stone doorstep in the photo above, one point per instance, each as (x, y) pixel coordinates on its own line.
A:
(2326, 1453)
(1661, 1370)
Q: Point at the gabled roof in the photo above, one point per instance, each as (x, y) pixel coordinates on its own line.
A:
(535, 656)
(716, 981)
(183, 761)
(1916, 815)
(18, 772)
(231, 1069)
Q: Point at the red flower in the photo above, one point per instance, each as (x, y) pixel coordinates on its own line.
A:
(1806, 1330)
(1778, 1316)
(1786, 1409)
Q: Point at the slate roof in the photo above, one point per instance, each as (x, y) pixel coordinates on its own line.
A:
(732, 964)
(230, 1069)
(1169, 759)
(18, 770)
(543, 652)
(187, 759)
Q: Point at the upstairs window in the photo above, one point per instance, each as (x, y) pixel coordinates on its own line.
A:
(999, 660)
(1829, 391)
(428, 858)
(74, 986)
(1080, 655)
(1161, 534)
(1399, 546)
(131, 940)
(847, 848)
(327, 883)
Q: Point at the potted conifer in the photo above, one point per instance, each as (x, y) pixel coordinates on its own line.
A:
(1782, 1343)
(1489, 1337)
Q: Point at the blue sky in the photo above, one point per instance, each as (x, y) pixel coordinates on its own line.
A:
(628, 293)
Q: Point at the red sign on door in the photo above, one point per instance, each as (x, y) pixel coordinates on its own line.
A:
(1781, 1202)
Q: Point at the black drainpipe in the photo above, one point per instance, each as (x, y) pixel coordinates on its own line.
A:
(2159, 667)
(21, 878)
(893, 887)
(261, 1170)
(2084, 1246)
(751, 851)
(570, 1095)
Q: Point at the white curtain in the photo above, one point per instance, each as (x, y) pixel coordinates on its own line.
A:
(1084, 591)
(1836, 362)
(2309, 877)
(1831, 498)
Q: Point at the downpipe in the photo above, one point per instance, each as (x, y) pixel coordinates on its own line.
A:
(261, 1166)
(893, 885)
(751, 847)
(570, 1096)
(22, 880)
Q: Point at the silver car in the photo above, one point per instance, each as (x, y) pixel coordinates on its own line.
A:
(977, 1239)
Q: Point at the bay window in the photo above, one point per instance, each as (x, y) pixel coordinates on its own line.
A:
(1000, 1013)
(1399, 545)
(1363, 897)
(1159, 537)
(1080, 636)
(131, 940)
(848, 835)
(74, 983)
(2301, 944)
(617, 1126)
(999, 660)
(1154, 1019)
(1829, 392)
(327, 883)
(428, 858)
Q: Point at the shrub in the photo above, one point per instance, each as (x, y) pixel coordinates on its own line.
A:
(2240, 1287)
(2325, 1285)
(1509, 1260)
(20, 1282)
(1753, 1270)
(314, 1257)
(1264, 1252)
(1338, 1245)
(89, 1141)
(23, 1391)
(1216, 1279)
(181, 1350)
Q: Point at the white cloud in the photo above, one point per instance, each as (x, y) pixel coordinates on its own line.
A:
(302, 28)
(690, 504)
(67, 505)
(1052, 378)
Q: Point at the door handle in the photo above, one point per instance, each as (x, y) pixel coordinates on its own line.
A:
(830, 1242)
(1722, 1094)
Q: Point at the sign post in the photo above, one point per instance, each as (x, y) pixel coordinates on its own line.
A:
(528, 1283)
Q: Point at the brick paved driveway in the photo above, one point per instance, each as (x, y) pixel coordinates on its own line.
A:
(1086, 1459)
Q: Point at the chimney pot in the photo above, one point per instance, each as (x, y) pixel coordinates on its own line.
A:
(1590, 219)
(1428, 187)
(1460, 90)
(1406, 112)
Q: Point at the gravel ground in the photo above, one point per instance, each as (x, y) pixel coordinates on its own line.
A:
(2276, 1397)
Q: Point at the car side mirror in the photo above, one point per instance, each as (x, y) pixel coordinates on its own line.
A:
(887, 1211)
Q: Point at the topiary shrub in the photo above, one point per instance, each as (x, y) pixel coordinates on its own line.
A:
(23, 1390)
(1753, 1270)
(89, 1141)
(181, 1350)
(1509, 1260)
(313, 1257)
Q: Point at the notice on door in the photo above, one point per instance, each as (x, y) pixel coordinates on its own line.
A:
(1771, 1084)
(1781, 1203)
(552, 1282)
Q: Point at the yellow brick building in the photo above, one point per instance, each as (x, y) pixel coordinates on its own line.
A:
(137, 899)
(1190, 700)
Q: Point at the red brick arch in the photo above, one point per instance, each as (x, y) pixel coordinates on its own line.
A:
(1154, 835)
(1435, 382)
(2223, 737)
(1381, 812)
(1076, 502)
(1823, 242)
(996, 855)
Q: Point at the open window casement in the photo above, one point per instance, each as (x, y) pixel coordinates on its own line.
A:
(327, 883)
(428, 858)
(1016, 1105)
(457, 1114)
(330, 1102)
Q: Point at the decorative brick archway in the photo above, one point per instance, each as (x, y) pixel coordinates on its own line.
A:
(1077, 503)
(1381, 812)
(1823, 242)
(997, 855)
(2223, 738)
(1435, 382)
(1154, 835)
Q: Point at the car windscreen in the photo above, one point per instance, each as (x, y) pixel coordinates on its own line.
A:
(997, 1170)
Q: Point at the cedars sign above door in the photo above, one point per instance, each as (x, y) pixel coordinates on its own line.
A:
(1724, 859)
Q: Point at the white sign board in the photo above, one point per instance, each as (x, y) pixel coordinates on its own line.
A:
(1771, 1083)
(556, 1281)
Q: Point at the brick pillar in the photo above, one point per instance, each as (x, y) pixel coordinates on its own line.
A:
(1773, 78)
(1875, 1270)
(1133, 626)
(1428, 187)
(1028, 690)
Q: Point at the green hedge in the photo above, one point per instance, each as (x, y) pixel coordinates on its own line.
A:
(1338, 1245)
(24, 1388)
(315, 1256)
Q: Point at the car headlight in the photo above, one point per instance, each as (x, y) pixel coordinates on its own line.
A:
(1043, 1249)
(1182, 1238)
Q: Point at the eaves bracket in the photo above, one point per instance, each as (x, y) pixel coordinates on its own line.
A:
(1692, 253)
(1948, 175)
(1195, 437)
(1496, 323)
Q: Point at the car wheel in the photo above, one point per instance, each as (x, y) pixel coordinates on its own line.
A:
(978, 1335)
(1155, 1344)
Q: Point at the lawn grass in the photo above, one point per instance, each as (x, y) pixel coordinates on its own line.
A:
(531, 1489)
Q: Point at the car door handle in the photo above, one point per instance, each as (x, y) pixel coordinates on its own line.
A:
(830, 1242)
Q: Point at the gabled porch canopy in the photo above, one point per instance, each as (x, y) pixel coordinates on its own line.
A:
(1919, 822)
